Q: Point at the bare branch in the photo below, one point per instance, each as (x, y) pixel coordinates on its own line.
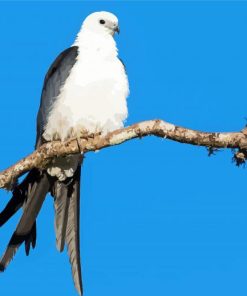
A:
(43, 156)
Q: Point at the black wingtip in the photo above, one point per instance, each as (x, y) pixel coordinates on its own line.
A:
(27, 248)
(2, 268)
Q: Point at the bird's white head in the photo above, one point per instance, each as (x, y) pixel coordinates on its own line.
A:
(102, 22)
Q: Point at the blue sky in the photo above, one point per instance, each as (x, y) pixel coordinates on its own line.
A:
(157, 217)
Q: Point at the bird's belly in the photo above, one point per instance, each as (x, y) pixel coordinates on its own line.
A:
(97, 106)
(90, 101)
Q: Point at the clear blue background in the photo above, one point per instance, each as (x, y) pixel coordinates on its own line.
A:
(157, 217)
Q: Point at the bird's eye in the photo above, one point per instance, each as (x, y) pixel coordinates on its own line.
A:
(102, 22)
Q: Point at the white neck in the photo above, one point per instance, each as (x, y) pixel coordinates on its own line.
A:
(95, 44)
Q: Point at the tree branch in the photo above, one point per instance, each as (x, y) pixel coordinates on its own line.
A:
(43, 156)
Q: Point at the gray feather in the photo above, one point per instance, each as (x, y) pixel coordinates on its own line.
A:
(61, 204)
(67, 210)
(73, 232)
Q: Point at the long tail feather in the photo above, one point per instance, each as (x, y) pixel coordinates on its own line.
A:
(31, 240)
(61, 204)
(26, 230)
(20, 194)
(73, 232)
(67, 207)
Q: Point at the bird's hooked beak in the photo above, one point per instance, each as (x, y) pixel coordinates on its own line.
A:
(117, 29)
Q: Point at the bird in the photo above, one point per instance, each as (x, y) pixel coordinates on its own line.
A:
(84, 92)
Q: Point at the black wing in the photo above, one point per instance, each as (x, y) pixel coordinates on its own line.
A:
(54, 80)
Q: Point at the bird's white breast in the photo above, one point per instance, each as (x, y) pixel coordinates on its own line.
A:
(93, 98)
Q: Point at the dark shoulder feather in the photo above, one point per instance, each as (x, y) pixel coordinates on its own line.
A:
(55, 78)
(72, 51)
